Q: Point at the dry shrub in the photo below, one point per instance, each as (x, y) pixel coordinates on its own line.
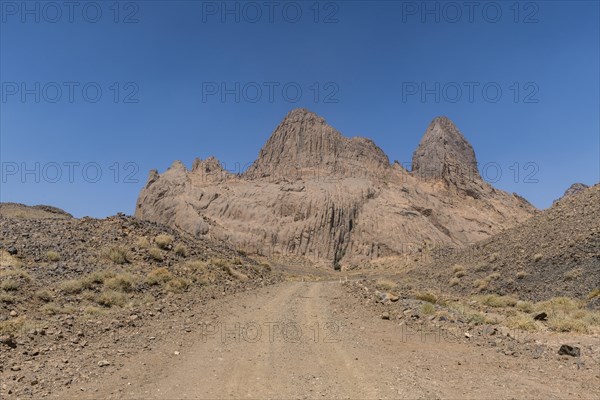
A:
(110, 298)
(164, 241)
(181, 250)
(156, 254)
(159, 276)
(122, 282)
(118, 255)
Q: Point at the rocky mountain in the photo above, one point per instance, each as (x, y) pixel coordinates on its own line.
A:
(554, 253)
(315, 193)
(574, 189)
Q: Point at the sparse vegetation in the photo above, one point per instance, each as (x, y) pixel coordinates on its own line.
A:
(73, 286)
(427, 308)
(18, 273)
(482, 268)
(12, 325)
(110, 298)
(236, 274)
(594, 293)
(118, 255)
(219, 262)
(525, 306)
(567, 324)
(482, 284)
(164, 241)
(426, 296)
(266, 265)
(11, 285)
(386, 284)
(44, 295)
(122, 282)
(93, 311)
(52, 256)
(521, 274)
(459, 271)
(457, 268)
(177, 285)
(8, 298)
(573, 274)
(55, 309)
(237, 261)
(159, 276)
(156, 254)
(522, 321)
(181, 250)
(494, 300)
(142, 242)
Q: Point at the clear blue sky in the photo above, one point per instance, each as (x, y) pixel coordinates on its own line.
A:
(369, 60)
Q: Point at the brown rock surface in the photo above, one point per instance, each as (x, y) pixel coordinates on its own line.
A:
(314, 193)
(555, 253)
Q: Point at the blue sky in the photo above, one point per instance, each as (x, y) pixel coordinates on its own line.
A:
(127, 87)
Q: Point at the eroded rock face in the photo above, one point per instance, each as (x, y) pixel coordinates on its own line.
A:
(314, 193)
(304, 145)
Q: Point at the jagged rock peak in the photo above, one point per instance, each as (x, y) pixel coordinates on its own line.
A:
(445, 153)
(304, 141)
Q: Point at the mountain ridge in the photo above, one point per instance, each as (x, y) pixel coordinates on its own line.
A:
(315, 193)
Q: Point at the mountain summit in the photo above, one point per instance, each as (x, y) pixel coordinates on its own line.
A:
(304, 142)
(444, 153)
(315, 193)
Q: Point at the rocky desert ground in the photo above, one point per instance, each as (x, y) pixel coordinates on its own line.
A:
(322, 271)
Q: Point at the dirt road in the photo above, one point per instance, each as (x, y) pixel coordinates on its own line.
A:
(313, 340)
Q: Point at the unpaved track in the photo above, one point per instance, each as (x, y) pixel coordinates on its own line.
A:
(312, 340)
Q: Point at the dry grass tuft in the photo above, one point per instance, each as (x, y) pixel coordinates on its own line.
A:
(159, 276)
(181, 250)
(122, 283)
(177, 285)
(426, 296)
(156, 254)
(110, 298)
(52, 256)
(386, 284)
(164, 241)
(118, 255)
(573, 274)
(427, 308)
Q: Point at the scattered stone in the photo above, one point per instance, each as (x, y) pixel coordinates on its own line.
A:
(8, 341)
(467, 335)
(103, 363)
(385, 315)
(569, 350)
(541, 317)
(13, 313)
(15, 368)
(12, 250)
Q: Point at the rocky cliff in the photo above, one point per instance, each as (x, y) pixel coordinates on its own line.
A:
(315, 193)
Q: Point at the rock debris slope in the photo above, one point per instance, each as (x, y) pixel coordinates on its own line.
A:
(315, 193)
(554, 253)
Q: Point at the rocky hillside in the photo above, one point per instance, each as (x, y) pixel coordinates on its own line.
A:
(75, 293)
(574, 189)
(555, 253)
(315, 193)
(18, 210)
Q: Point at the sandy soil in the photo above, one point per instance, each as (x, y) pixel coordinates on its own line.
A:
(314, 340)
